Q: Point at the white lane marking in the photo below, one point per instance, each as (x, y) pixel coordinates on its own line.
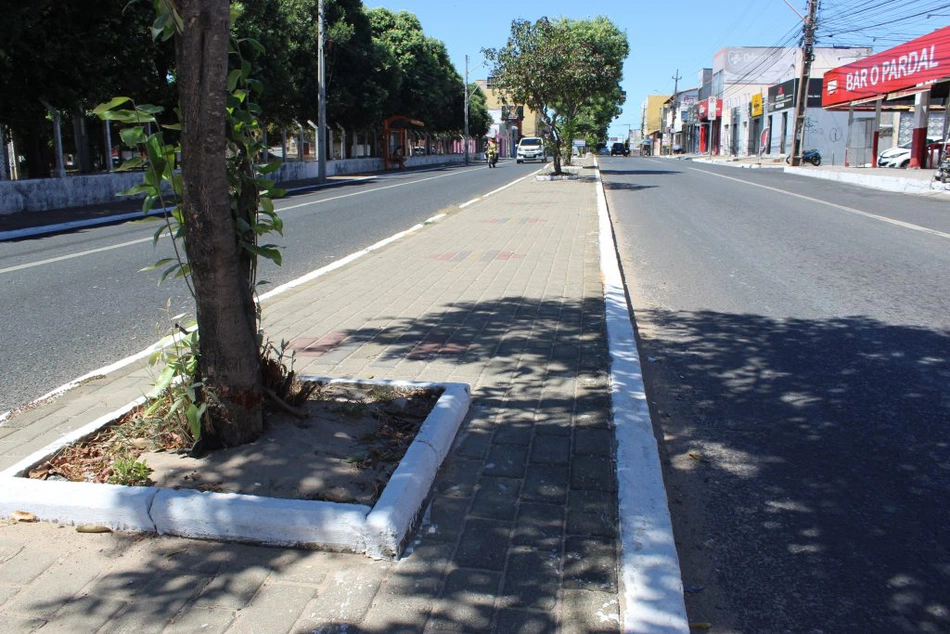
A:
(369, 191)
(495, 191)
(652, 581)
(851, 210)
(280, 289)
(80, 254)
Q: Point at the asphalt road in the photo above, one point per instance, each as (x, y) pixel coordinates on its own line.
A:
(795, 335)
(77, 301)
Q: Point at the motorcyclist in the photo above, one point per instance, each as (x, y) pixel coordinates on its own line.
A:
(491, 152)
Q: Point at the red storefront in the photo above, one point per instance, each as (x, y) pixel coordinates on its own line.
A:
(920, 67)
(709, 111)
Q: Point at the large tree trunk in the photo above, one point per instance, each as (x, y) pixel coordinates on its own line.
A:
(229, 362)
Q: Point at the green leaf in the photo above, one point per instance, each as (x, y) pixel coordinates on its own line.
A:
(109, 105)
(268, 251)
(133, 163)
(194, 414)
(172, 126)
(269, 168)
(233, 78)
(257, 46)
(135, 190)
(126, 116)
(165, 378)
(134, 136)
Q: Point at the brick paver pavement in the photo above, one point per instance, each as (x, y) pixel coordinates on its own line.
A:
(521, 534)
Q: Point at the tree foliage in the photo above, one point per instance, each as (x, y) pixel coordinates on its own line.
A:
(71, 56)
(74, 55)
(566, 70)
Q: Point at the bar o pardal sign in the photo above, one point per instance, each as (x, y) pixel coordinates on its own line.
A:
(922, 60)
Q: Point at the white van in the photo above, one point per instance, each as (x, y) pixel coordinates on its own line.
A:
(531, 148)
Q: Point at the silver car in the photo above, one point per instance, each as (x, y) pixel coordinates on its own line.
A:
(531, 148)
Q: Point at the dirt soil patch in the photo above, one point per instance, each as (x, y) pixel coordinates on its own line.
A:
(344, 450)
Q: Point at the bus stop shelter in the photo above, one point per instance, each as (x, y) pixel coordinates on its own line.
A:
(919, 68)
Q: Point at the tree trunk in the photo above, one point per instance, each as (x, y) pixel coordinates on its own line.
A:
(33, 140)
(229, 362)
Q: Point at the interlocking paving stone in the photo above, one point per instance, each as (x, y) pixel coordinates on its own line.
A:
(525, 621)
(518, 536)
(596, 442)
(513, 433)
(446, 517)
(483, 544)
(275, 608)
(547, 449)
(506, 461)
(590, 563)
(539, 526)
(546, 483)
(593, 472)
(531, 579)
(496, 498)
(467, 602)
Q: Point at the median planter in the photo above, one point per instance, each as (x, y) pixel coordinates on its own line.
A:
(295, 486)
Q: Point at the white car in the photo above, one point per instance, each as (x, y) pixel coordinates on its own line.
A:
(531, 148)
(898, 156)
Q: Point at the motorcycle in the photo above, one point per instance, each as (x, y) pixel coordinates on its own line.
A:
(492, 158)
(808, 156)
(943, 169)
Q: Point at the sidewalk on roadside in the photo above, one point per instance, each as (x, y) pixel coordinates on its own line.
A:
(523, 529)
(904, 181)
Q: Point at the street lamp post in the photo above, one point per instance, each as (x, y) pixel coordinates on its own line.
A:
(322, 106)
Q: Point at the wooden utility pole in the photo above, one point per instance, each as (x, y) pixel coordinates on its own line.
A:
(801, 101)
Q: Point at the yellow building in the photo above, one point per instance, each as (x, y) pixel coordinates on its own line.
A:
(528, 121)
(652, 121)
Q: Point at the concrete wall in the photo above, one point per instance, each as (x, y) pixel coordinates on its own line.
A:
(79, 191)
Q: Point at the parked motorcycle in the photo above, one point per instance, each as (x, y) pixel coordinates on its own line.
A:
(943, 169)
(808, 156)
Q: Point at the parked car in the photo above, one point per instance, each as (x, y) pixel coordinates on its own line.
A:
(619, 149)
(531, 148)
(900, 156)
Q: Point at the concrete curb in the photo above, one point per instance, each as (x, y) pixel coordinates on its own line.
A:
(379, 532)
(653, 601)
(875, 181)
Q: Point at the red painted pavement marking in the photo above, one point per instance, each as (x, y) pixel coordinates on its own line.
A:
(436, 345)
(311, 346)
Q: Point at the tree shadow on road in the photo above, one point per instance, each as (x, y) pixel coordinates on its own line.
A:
(805, 459)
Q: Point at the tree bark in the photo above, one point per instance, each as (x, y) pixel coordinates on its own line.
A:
(229, 361)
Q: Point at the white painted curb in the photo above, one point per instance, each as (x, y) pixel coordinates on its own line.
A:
(652, 601)
(379, 532)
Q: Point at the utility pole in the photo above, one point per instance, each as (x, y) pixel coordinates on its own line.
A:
(322, 107)
(465, 91)
(676, 88)
(801, 101)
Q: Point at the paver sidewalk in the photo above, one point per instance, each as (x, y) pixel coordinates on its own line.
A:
(522, 529)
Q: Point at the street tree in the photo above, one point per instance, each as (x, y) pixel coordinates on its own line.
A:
(430, 89)
(228, 362)
(560, 68)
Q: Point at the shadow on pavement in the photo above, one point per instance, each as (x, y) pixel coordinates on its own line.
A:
(805, 459)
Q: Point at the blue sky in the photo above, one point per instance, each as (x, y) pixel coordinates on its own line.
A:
(681, 35)
(663, 37)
